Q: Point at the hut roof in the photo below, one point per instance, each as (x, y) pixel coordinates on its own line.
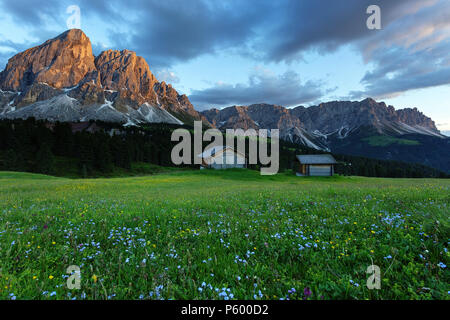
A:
(316, 159)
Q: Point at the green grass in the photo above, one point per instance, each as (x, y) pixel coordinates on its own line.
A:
(69, 168)
(223, 234)
(383, 141)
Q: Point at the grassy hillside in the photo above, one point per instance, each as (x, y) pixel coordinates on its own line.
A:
(383, 141)
(223, 235)
(412, 148)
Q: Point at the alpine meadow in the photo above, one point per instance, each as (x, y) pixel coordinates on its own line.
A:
(229, 234)
(217, 159)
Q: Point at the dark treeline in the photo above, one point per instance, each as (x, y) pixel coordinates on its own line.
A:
(99, 148)
(30, 145)
(361, 166)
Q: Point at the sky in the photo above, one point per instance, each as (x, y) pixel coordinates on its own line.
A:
(240, 52)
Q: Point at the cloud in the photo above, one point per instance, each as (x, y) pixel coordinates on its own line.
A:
(325, 25)
(410, 52)
(30, 13)
(263, 86)
(178, 31)
(167, 76)
(398, 71)
(8, 49)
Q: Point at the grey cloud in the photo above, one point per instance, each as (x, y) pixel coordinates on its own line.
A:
(183, 30)
(326, 25)
(262, 86)
(32, 13)
(175, 31)
(414, 53)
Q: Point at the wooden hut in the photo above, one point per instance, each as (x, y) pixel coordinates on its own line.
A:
(315, 165)
(222, 157)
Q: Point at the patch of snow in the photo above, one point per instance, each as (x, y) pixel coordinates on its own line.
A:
(305, 140)
(317, 133)
(342, 136)
(130, 123)
(405, 128)
(107, 104)
(71, 88)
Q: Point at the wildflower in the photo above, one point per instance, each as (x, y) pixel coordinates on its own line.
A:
(307, 292)
(50, 277)
(94, 277)
(442, 265)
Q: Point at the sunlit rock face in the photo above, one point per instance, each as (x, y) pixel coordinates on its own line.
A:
(65, 67)
(60, 62)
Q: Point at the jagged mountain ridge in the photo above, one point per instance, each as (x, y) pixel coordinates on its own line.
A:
(332, 118)
(61, 80)
(352, 113)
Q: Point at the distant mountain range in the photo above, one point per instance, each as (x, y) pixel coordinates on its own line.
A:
(364, 128)
(61, 80)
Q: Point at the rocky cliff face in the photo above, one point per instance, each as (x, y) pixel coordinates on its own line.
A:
(114, 86)
(129, 75)
(60, 62)
(315, 126)
(326, 117)
(333, 116)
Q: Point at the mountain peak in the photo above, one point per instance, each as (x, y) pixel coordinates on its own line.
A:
(72, 35)
(114, 86)
(59, 62)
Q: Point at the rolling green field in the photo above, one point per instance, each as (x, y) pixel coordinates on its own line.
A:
(223, 235)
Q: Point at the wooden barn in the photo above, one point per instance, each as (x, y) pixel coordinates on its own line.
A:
(315, 165)
(222, 157)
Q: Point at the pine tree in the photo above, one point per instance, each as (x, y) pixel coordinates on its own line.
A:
(44, 160)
